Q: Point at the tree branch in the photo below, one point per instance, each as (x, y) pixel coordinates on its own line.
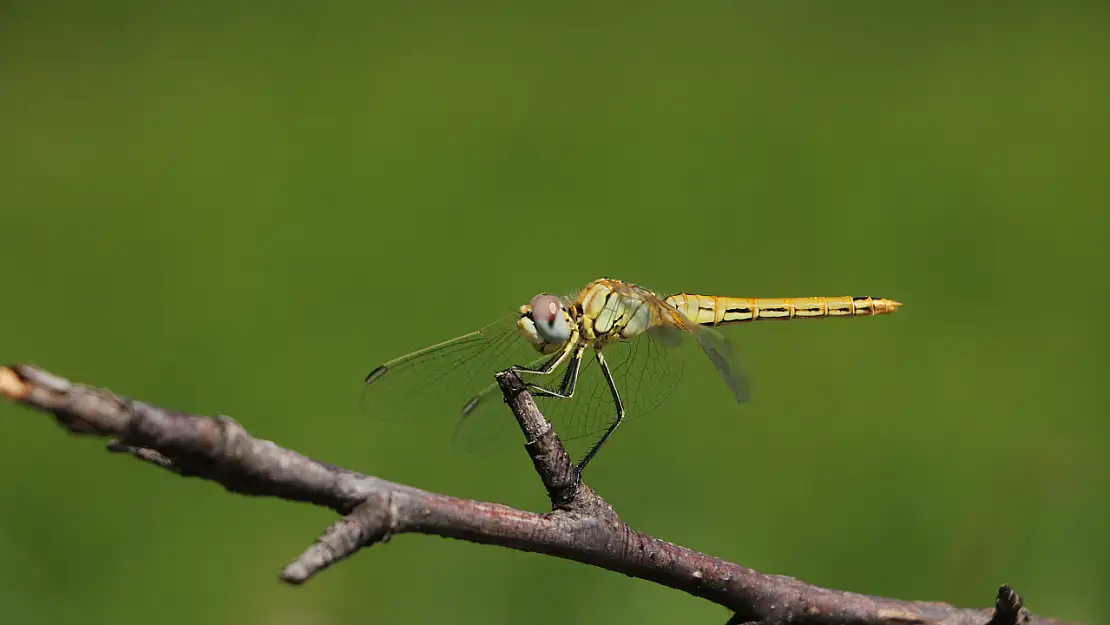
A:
(581, 526)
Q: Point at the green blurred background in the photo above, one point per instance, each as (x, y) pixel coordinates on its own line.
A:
(241, 208)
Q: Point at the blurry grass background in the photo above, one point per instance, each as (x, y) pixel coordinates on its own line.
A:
(235, 207)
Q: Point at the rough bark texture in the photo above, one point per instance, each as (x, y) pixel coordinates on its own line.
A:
(581, 526)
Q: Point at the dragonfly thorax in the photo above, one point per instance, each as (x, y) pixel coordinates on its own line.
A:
(612, 314)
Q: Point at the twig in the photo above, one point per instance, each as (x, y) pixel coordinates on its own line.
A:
(581, 526)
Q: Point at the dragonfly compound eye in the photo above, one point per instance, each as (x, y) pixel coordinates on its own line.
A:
(551, 322)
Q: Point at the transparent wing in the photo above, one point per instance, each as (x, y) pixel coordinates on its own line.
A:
(438, 381)
(718, 348)
(646, 370)
(723, 356)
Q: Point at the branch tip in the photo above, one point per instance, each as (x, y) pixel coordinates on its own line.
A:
(1008, 608)
(374, 520)
(295, 573)
(11, 385)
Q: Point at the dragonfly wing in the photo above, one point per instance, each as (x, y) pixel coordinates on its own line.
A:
(718, 348)
(723, 356)
(646, 370)
(439, 381)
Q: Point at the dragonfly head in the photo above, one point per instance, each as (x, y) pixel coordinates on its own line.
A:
(545, 323)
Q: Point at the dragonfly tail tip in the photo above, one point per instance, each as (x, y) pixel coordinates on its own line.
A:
(886, 306)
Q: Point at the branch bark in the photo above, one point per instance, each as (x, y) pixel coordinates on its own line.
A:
(581, 525)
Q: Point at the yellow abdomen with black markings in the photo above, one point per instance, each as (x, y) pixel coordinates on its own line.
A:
(714, 310)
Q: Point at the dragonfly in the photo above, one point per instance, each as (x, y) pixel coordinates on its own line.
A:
(633, 338)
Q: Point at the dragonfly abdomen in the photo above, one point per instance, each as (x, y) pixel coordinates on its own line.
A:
(713, 310)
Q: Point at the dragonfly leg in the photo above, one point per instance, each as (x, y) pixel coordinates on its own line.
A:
(549, 366)
(570, 380)
(533, 368)
(620, 412)
(546, 369)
